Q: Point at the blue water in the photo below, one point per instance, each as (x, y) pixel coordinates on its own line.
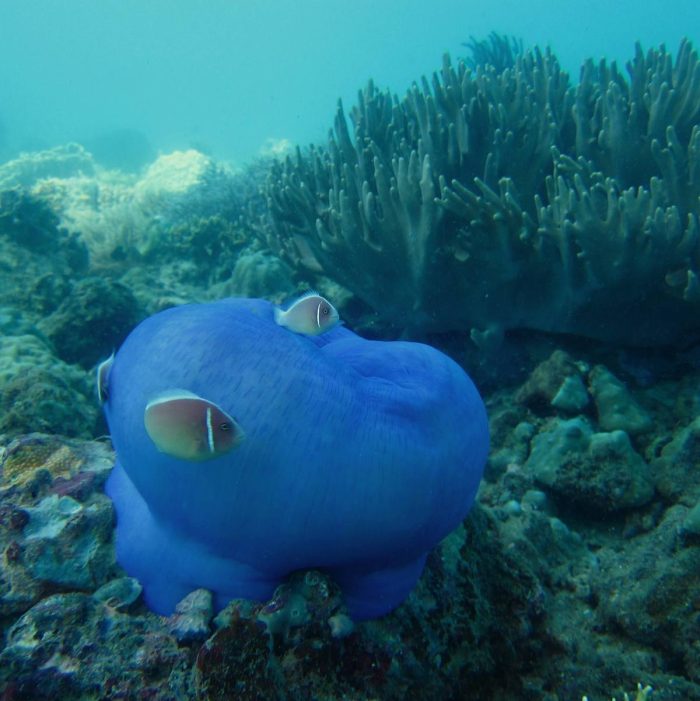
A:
(228, 76)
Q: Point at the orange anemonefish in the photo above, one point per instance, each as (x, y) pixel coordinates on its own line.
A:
(188, 427)
(311, 315)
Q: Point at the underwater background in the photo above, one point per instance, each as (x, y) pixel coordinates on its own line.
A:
(515, 184)
(130, 79)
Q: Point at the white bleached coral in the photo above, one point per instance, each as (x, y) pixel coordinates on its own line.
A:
(183, 179)
(125, 215)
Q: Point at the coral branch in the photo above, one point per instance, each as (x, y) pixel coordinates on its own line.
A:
(501, 198)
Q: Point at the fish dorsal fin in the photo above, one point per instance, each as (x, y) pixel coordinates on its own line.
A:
(102, 377)
(170, 394)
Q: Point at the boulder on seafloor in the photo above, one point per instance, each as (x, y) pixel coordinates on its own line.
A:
(258, 274)
(55, 523)
(93, 320)
(599, 471)
(652, 600)
(39, 259)
(119, 593)
(184, 184)
(40, 393)
(474, 607)
(676, 468)
(192, 618)
(68, 544)
(555, 384)
(617, 408)
(35, 465)
(71, 647)
(524, 600)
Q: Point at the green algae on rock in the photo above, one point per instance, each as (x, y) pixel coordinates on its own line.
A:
(40, 393)
(91, 321)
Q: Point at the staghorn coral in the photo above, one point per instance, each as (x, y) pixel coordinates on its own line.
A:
(493, 200)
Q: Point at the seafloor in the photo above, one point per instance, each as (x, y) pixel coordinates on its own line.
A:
(577, 572)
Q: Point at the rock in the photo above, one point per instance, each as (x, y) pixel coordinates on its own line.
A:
(51, 516)
(101, 210)
(258, 274)
(119, 593)
(183, 184)
(91, 321)
(557, 442)
(55, 525)
(69, 544)
(513, 454)
(235, 609)
(691, 522)
(38, 258)
(28, 222)
(71, 647)
(192, 618)
(649, 596)
(304, 597)
(286, 610)
(122, 218)
(555, 383)
(616, 407)
(535, 499)
(572, 397)
(341, 625)
(39, 393)
(676, 469)
(600, 471)
(37, 464)
(247, 672)
(474, 607)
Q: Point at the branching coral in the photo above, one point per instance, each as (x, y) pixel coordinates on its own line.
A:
(497, 50)
(494, 199)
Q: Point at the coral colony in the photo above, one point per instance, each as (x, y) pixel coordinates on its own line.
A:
(492, 200)
(542, 232)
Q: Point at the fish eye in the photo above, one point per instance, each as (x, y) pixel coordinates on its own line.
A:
(225, 426)
(325, 310)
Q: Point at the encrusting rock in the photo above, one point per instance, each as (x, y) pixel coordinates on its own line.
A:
(192, 618)
(676, 468)
(555, 383)
(617, 408)
(600, 471)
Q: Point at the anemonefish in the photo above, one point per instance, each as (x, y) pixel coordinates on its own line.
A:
(311, 315)
(189, 427)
